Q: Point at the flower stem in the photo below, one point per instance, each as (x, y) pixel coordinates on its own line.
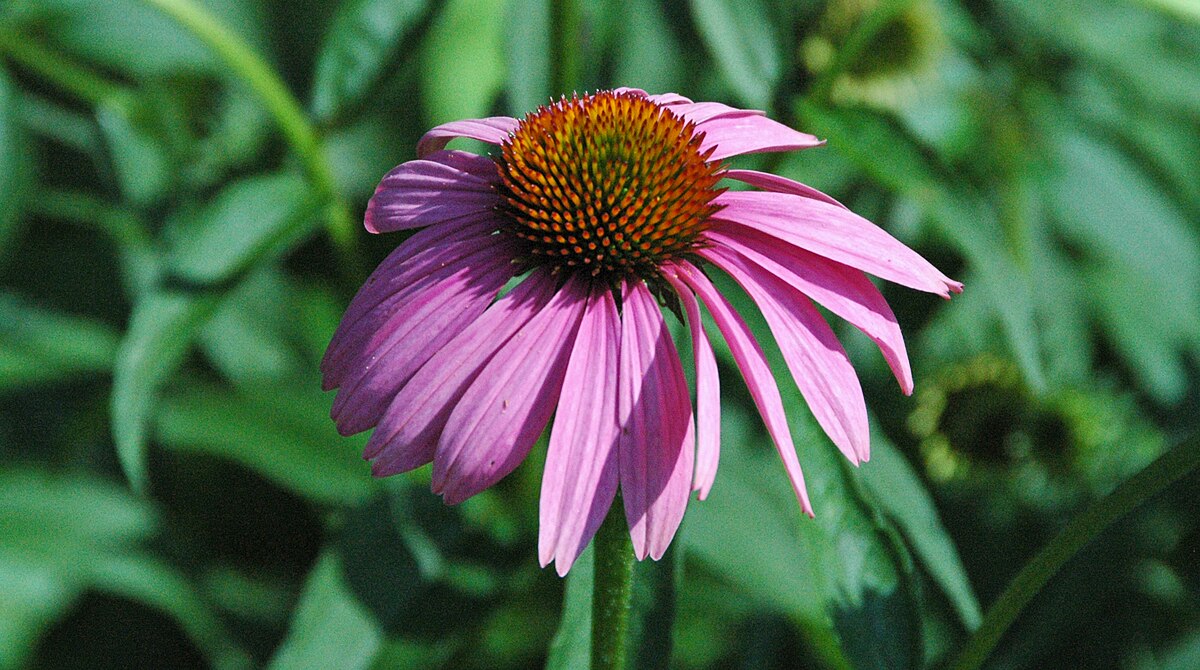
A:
(1160, 474)
(565, 61)
(288, 114)
(611, 590)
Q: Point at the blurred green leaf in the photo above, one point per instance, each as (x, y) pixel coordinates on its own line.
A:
(527, 47)
(1132, 238)
(649, 54)
(330, 628)
(160, 586)
(140, 157)
(250, 337)
(14, 175)
(244, 222)
(280, 430)
(161, 331)
(129, 35)
(39, 346)
(903, 498)
(462, 60)
(52, 528)
(741, 39)
(572, 644)
(365, 38)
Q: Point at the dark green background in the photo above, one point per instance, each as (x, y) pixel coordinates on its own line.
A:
(167, 286)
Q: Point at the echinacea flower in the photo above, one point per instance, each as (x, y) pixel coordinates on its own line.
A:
(605, 206)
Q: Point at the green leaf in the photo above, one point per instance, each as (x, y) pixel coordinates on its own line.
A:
(252, 336)
(527, 47)
(39, 346)
(649, 55)
(14, 175)
(129, 35)
(330, 628)
(140, 157)
(52, 528)
(161, 331)
(158, 585)
(741, 39)
(251, 219)
(462, 69)
(904, 500)
(572, 644)
(358, 50)
(280, 430)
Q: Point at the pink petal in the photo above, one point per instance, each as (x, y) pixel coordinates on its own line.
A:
(708, 395)
(655, 413)
(507, 406)
(408, 432)
(493, 130)
(699, 112)
(412, 267)
(841, 289)
(753, 364)
(443, 186)
(664, 99)
(748, 132)
(580, 478)
(417, 329)
(835, 233)
(773, 182)
(817, 360)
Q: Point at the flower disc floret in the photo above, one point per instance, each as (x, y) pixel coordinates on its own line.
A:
(610, 184)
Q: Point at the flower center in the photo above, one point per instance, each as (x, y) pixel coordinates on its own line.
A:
(610, 184)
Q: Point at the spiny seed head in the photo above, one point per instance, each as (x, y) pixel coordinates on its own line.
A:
(610, 184)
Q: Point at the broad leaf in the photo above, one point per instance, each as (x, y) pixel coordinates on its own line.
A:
(39, 346)
(462, 67)
(330, 628)
(14, 175)
(741, 39)
(246, 221)
(365, 38)
(280, 430)
(161, 331)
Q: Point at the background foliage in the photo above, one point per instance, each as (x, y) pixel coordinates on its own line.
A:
(178, 239)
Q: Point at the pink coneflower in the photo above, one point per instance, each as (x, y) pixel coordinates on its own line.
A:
(606, 206)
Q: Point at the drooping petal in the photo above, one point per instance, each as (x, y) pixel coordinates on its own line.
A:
(835, 233)
(493, 130)
(580, 478)
(508, 404)
(708, 394)
(841, 289)
(738, 132)
(443, 186)
(655, 410)
(773, 182)
(755, 370)
(813, 353)
(428, 319)
(423, 259)
(408, 433)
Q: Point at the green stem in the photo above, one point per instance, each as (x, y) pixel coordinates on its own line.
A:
(67, 75)
(288, 114)
(611, 590)
(565, 61)
(857, 42)
(1160, 474)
